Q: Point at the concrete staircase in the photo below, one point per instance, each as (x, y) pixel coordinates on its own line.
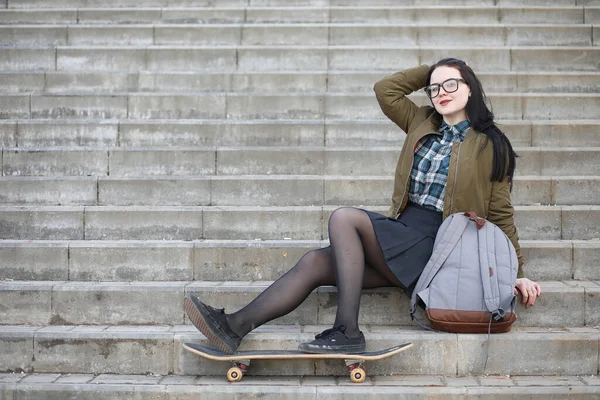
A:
(182, 146)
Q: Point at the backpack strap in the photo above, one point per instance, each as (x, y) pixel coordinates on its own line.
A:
(488, 268)
(442, 249)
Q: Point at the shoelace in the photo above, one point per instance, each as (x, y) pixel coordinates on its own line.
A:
(217, 310)
(328, 332)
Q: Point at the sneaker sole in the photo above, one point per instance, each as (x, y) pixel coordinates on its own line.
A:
(200, 323)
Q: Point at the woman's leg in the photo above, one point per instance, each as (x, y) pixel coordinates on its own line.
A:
(314, 269)
(354, 245)
(346, 263)
(353, 261)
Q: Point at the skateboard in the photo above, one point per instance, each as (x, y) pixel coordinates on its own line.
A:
(241, 359)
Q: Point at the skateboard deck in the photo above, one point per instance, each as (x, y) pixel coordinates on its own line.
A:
(241, 359)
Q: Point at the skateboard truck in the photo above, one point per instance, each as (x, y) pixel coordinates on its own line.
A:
(238, 370)
(358, 372)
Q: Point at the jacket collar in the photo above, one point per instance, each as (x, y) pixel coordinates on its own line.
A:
(452, 132)
(432, 124)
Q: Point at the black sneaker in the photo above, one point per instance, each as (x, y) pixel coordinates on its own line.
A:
(335, 340)
(212, 323)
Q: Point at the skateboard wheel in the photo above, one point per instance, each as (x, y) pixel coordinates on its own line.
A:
(358, 375)
(234, 374)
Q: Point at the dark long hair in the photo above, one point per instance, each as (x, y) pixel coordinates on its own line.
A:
(482, 120)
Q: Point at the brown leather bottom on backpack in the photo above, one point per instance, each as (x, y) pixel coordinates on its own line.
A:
(457, 321)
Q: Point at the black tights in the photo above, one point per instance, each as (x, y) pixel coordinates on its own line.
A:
(353, 261)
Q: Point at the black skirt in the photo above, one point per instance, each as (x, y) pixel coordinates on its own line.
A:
(407, 242)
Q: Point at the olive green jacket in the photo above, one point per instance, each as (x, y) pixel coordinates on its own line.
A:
(468, 187)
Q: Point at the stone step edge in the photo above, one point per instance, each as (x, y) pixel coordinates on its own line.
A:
(285, 333)
(330, 149)
(241, 243)
(280, 331)
(313, 8)
(217, 121)
(294, 7)
(325, 208)
(242, 25)
(537, 350)
(566, 286)
(275, 94)
(304, 47)
(401, 384)
(253, 177)
(64, 260)
(268, 390)
(309, 222)
(283, 72)
(258, 177)
(256, 93)
(575, 299)
(253, 122)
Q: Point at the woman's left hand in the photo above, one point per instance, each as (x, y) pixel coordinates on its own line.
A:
(529, 289)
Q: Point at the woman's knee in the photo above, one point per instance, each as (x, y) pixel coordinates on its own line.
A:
(317, 258)
(344, 216)
(318, 264)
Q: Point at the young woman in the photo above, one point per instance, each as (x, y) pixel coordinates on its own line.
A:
(454, 159)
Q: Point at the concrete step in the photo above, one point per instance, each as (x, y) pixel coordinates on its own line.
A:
(246, 223)
(243, 106)
(65, 82)
(253, 14)
(27, 4)
(202, 161)
(562, 304)
(334, 34)
(492, 387)
(34, 4)
(226, 260)
(158, 350)
(57, 16)
(296, 58)
(202, 133)
(261, 190)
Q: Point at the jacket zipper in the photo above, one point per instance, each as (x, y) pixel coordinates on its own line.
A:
(402, 203)
(455, 178)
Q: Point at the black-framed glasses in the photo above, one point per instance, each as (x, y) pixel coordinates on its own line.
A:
(449, 85)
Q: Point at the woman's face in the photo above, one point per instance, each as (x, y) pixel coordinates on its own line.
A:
(450, 105)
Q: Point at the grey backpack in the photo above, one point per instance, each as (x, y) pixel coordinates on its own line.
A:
(468, 284)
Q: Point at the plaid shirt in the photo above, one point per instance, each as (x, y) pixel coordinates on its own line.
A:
(430, 167)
